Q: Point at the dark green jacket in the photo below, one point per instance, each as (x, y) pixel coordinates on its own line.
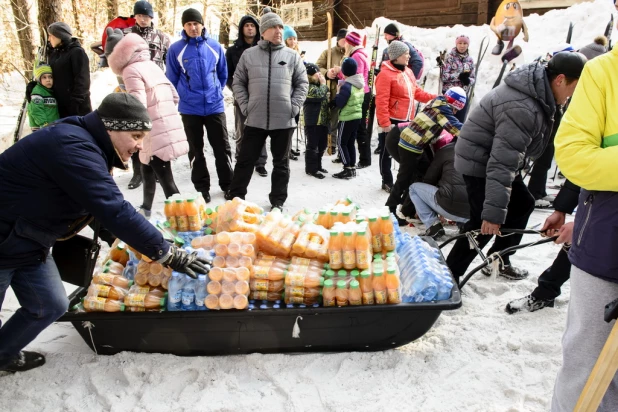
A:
(316, 106)
(42, 108)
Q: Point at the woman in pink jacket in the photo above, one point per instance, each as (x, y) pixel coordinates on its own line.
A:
(130, 57)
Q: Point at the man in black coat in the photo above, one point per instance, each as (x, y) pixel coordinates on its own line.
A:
(53, 182)
(248, 29)
(442, 193)
(70, 67)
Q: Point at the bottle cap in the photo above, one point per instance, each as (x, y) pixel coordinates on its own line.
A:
(167, 201)
(191, 199)
(330, 274)
(342, 273)
(365, 274)
(373, 219)
(390, 254)
(322, 212)
(346, 214)
(208, 211)
(354, 284)
(334, 233)
(179, 200)
(380, 273)
(377, 256)
(354, 273)
(341, 284)
(391, 270)
(208, 222)
(333, 213)
(122, 307)
(385, 217)
(361, 232)
(347, 233)
(321, 282)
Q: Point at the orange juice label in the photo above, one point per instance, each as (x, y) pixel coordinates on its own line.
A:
(135, 300)
(194, 223)
(261, 272)
(349, 258)
(295, 291)
(389, 241)
(296, 280)
(102, 290)
(267, 258)
(335, 258)
(376, 243)
(368, 298)
(183, 223)
(261, 285)
(105, 278)
(140, 290)
(301, 261)
(94, 303)
(296, 300)
(380, 296)
(362, 259)
(393, 296)
(259, 295)
(302, 270)
(343, 302)
(172, 221)
(329, 302)
(356, 302)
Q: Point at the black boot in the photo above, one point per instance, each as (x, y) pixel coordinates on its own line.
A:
(346, 173)
(24, 361)
(136, 180)
(528, 304)
(508, 272)
(435, 231)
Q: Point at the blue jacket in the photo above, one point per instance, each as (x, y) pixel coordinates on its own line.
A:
(198, 70)
(52, 180)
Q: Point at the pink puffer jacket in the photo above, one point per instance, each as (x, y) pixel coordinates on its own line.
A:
(146, 81)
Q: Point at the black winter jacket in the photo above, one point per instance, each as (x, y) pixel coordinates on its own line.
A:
(233, 53)
(71, 70)
(452, 195)
(52, 180)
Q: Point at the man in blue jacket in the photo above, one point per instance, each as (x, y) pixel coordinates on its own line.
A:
(52, 183)
(196, 66)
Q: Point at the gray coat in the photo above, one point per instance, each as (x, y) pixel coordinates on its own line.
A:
(512, 122)
(270, 86)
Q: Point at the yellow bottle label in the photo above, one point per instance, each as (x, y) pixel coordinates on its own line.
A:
(140, 290)
(173, 223)
(105, 278)
(389, 241)
(380, 296)
(349, 258)
(295, 291)
(296, 300)
(194, 223)
(183, 223)
(296, 280)
(341, 302)
(135, 300)
(96, 304)
(259, 295)
(368, 298)
(362, 259)
(301, 261)
(335, 258)
(329, 302)
(102, 290)
(261, 285)
(393, 296)
(356, 302)
(376, 243)
(261, 272)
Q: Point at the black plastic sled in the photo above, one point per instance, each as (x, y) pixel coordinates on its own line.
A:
(228, 332)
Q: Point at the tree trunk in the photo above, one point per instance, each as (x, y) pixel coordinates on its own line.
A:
(24, 33)
(224, 27)
(50, 11)
(112, 10)
(77, 30)
(174, 19)
(161, 6)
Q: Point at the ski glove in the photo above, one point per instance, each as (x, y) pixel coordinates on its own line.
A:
(439, 61)
(189, 263)
(464, 78)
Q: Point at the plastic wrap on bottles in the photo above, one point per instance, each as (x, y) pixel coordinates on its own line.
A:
(107, 291)
(97, 304)
(238, 215)
(312, 242)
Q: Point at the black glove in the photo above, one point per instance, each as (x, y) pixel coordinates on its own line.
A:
(332, 104)
(191, 264)
(376, 71)
(464, 78)
(439, 61)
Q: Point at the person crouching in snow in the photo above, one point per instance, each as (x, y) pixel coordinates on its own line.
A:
(349, 99)
(316, 114)
(42, 106)
(414, 139)
(458, 70)
(130, 57)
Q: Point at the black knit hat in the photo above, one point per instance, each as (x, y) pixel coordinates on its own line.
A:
(571, 64)
(123, 112)
(143, 7)
(392, 29)
(192, 15)
(311, 69)
(341, 34)
(61, 30)
(349, 67)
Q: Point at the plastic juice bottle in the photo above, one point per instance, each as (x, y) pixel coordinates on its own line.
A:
(248, 238)
(290, 235)
(170, 213)
(193, 215)
(111, 279)
(222, 238)
(355, 294)
(96, 304)
(148, 301)
(313, 247)
(221, 250)
(363, 250)
(104, 291)
(392, 286)
(341, 293)
(366, 285)
(376, 234)
(379, 288)
(233, 249)
(226, 301)
(120, 254)
(212, 302)
(388, 234)
(329, 275)
(322, 218)
(349, 250)
(346, 217)
(241, 302)
(355, 275)
(182, 220)
(333, 218)
(328, 293)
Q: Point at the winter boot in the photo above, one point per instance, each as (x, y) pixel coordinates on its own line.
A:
(347, 173)
(24, 361)
(508, 272)
(435, 231)
(498, 48)
(386, 187)
(400, 221)
(136, 180)
(528, 304)
(316, 174)
(144, 212)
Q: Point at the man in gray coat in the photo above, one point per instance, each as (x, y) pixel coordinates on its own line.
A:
(270, 86)
(513, 122)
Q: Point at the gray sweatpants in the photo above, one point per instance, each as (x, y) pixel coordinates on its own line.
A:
(583, 339)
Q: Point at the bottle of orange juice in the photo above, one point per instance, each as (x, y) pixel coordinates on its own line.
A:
(328, 294)
(168, 210)
(193, 215)
(363, 249)
(335, 256)
(332, 218)
(341, 293)
(349, 250)
(355, 296)
(96, 304)
(379, 288)
(366, 287)
(181, 216)
(388, 233)
(376, 234)
(392, 286)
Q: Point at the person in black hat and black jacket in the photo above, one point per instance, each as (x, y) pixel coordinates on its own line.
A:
(53, 182)
(71, 69)
(512, 123)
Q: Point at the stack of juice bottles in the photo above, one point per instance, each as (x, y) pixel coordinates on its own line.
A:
(210, 220)
(184, 213)
(343, 211)
(349, 246)
(306, 214)
(238, 215)
(267, 277)
(304, 281)
(382, 230)
(152, 275)
(385, 280)
(108, 289)
(231, 273)
(277, 233)
(311, 242)
(341, 288)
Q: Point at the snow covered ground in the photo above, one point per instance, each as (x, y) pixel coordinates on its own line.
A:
(477, 358)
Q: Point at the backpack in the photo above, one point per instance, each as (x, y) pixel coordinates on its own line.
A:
(420, 74)
(118, 23)
(29, 87)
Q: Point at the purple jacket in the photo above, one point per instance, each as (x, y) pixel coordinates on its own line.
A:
(595, 235)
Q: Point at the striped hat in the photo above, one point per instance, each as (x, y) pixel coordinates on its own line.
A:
(354, 38)
(40, 70)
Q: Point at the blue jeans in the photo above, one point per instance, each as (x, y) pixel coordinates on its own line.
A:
(43, 300)
(424, 198)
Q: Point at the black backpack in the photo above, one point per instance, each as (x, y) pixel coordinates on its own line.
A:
(29, 89)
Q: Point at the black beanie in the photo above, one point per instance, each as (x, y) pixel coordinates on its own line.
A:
(143, 7)
(192, 15)
(311, 69)
(571, 64)
(341, 34)
(392, 29)
(123, 112)
(61, 30)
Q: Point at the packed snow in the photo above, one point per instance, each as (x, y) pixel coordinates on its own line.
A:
(477, 358)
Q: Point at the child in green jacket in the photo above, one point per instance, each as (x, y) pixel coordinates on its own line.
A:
(42, 107)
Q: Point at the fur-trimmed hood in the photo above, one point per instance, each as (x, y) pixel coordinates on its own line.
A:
(132, 48)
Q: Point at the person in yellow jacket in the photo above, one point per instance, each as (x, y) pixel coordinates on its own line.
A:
(587, 154)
